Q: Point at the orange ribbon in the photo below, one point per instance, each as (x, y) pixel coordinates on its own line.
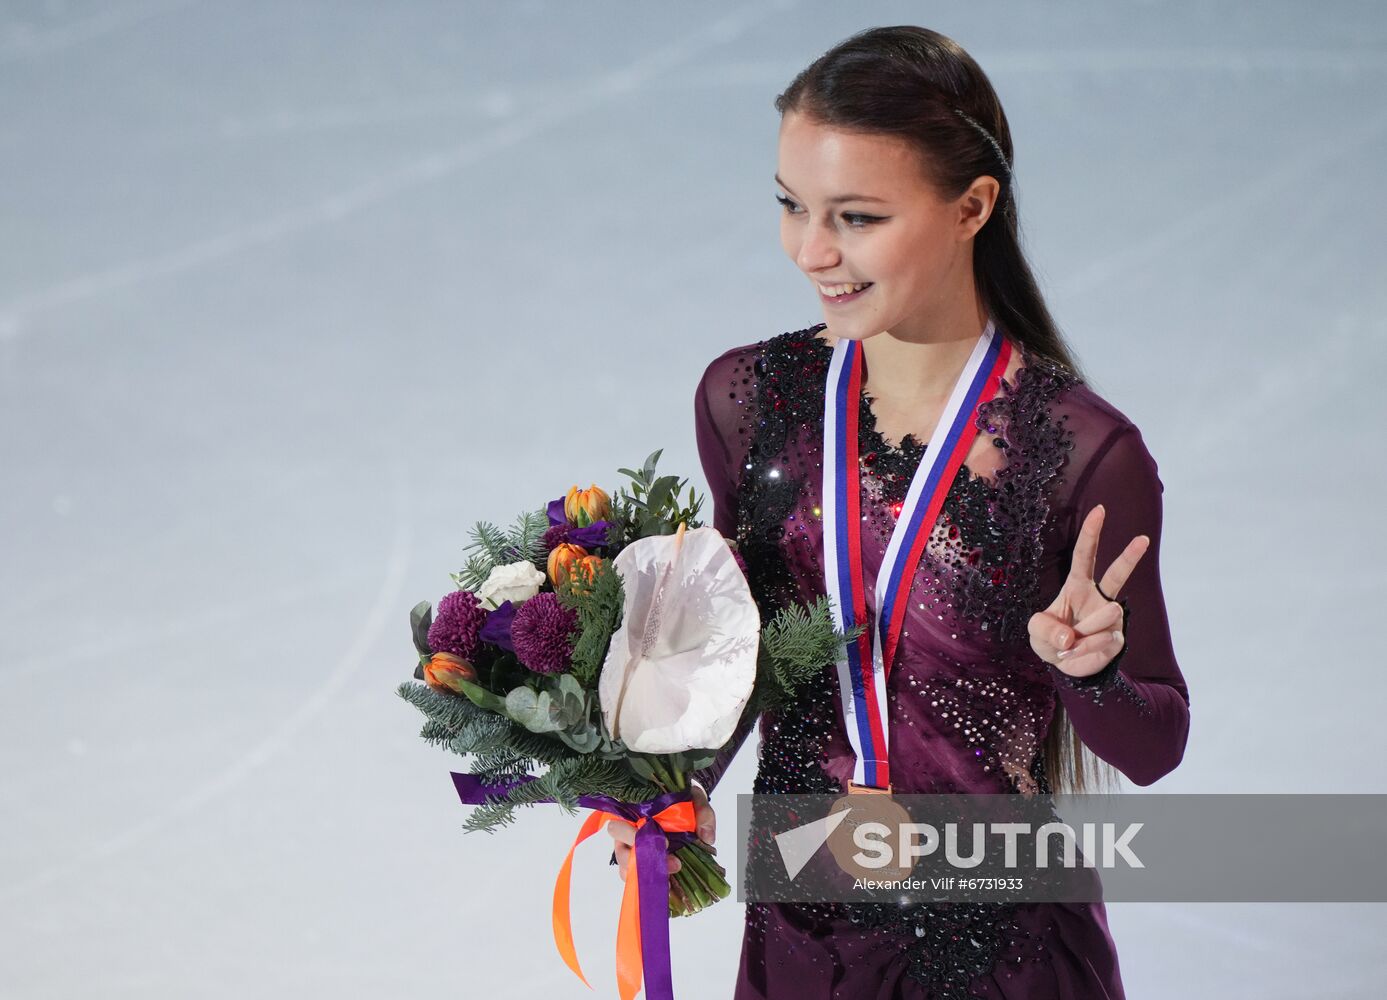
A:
(678, 818)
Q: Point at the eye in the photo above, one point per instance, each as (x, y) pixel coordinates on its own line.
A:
(788, 205)
(854, 219)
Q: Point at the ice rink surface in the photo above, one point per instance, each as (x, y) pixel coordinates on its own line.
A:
(292, 294)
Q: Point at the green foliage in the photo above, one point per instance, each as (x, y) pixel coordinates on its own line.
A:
(564, 782)
(491, 547)
(450, 711)
(599, 604)
(420, 618)
(652, 506)
(795, 646)
(504, 750)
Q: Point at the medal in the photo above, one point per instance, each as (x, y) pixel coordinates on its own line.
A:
(866, 663)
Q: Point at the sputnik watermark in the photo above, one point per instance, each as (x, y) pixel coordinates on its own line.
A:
(878, 848)
(1147, 847)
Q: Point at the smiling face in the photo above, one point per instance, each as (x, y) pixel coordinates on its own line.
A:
(894, 232)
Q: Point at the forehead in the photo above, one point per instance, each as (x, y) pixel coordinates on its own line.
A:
(818, 160)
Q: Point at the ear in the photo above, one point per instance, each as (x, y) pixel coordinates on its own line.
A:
(976, 204)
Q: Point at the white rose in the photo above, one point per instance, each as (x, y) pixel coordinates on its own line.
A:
(516, 582)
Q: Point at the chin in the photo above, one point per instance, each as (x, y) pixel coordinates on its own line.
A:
(849, 333)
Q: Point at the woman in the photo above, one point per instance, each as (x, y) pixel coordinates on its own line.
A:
(1013, 652)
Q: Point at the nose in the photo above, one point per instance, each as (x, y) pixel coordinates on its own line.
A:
(818, 250)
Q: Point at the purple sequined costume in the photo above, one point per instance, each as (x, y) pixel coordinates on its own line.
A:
(969, 701)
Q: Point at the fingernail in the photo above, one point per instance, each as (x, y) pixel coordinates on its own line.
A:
(705, 834)
(1063, 653)
(1061, 639)
(1117, 636)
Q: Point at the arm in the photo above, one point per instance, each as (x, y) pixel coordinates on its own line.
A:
(1134, 713)
(721, 450)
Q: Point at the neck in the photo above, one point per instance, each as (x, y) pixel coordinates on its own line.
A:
(921, 363)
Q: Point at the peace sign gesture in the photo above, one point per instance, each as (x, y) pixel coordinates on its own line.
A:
(1081, 631)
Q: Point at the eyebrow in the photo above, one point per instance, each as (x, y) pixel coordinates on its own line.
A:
(838, 199)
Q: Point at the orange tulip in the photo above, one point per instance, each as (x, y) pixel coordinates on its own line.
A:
(582, 507)
(584, 571)
(561, 561)
(444, 671)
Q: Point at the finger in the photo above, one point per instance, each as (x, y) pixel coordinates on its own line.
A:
(1091, 654)
(1049, 634)
(707, 822)
(1105, 618)
(621, 831)
(1123, 565)
(1086, 545)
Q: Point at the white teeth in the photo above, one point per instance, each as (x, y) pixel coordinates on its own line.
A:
(836, 290)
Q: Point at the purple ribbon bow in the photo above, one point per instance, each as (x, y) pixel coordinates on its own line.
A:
(653, 843)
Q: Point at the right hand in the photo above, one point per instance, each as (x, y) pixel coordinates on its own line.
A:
(624, 833)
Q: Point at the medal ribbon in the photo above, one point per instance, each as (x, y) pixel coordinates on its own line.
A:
(866, 664)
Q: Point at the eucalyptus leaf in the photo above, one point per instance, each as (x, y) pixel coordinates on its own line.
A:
(420, 618)
(568, 684)
(695, 760)
(642, 768)
(483, 698)
(531, 710)
(584, 740)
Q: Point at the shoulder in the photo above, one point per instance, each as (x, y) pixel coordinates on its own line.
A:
(1104, 444)
(740, 366)
(1095, 416)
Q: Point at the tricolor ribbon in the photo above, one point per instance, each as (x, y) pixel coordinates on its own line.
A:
(866, 663)
(642, 940)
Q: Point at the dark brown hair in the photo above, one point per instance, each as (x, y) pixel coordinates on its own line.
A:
(922, 86)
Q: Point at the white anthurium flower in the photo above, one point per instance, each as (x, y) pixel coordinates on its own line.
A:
(682, 664)
(516, 582)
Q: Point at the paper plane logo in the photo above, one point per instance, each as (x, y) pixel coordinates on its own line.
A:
(797, 846)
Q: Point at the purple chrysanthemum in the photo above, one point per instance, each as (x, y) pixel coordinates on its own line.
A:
(457, 624)
(555, 535)
(540, 633)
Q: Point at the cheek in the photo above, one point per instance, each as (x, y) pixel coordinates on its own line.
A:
(789, 240)
(912, 260)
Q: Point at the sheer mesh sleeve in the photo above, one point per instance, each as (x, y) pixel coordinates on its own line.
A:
(1135, 713)
(722, 402)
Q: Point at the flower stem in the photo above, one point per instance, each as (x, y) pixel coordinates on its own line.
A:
(710, 875)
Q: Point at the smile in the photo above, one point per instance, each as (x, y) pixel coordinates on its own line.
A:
(843, 293)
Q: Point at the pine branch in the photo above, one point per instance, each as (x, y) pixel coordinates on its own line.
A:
(451, 711)
(481, 735)
(500, 765)
(436, 733)
(491, 547)
(489, 818)
(527, 536)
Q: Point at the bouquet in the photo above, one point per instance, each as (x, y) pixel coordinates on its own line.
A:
(595, 655)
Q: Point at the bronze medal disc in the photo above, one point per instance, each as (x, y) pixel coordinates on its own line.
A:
(866, 804)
